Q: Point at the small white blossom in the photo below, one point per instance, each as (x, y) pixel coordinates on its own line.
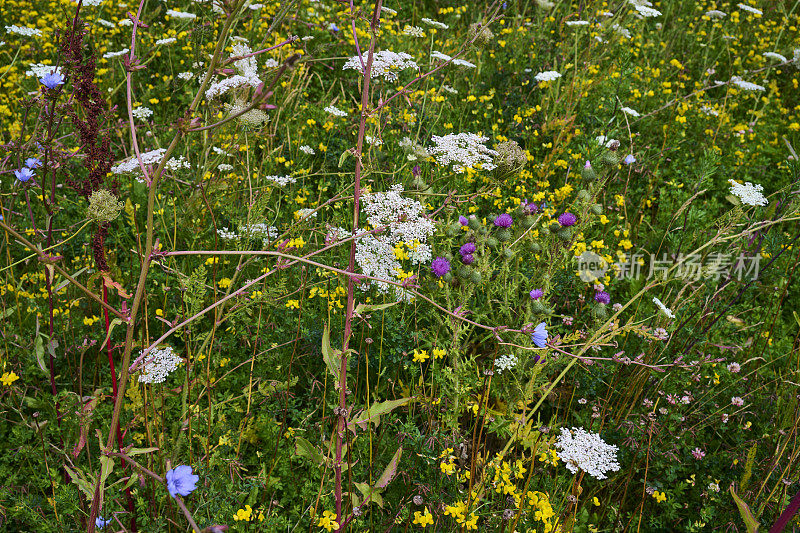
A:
(335, 111)
(748, 193)
(436, 24)
(716, 14)
(109, 55)
(549, 75)
(21, 30)
(385, 64)
(142, 113)
(168, 40)
(746, 85)
(161, 363)
(629, 111)
(751, 9)
(577, 23)
(181, 15)
(663, 308)
(777, 57)
(737, 401)
(414, 31)
(462, 150)
(307, 149)
(586, 451)
(186, 75)
(505, 362)
(39, 70)
(281, 181)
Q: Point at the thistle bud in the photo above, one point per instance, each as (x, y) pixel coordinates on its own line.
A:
(492, 242)
(504, 235)
(475, 277)
(600, 311)
(509, 253)
(583, 195)
(565, 234)
(537, 307)
(535, 247)
(597, 209)
(588, 174)
(474, 223)
(611, 158)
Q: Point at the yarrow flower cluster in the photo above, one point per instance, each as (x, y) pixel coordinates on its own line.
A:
(748, 193)
(505, 362)
(162, 362)
(281, 181)
(142, 112)
(21, 30)
(580, 449)
(462, 151)
(385, 64)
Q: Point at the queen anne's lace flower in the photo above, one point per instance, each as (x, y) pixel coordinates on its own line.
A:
(181, 15)
(505, 362)
(162, 362)
(385, 64)
(751, 9)
(21, 30)
(664, 309)
(716, 14)
(746, 85)
(776, 56)
(748, 193)
(629, 111)
(281, 181)
(586, 451)
(435, 24)
(462, 150)
(549, 75)
(458, 62)
(335, 111)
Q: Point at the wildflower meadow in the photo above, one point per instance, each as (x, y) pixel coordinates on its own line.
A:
(402, 265)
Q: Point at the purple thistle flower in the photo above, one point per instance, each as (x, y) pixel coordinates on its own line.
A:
(440, 266)
(468, 259)
(52, 80)
(464, 221)
(629, 159)
(602, 297)
(503, 221)
(539, 335)
(536, 294)
(180, 480)
(567, 219)
(587, 165)
(531, 208)
(467, 249)
(23, 174)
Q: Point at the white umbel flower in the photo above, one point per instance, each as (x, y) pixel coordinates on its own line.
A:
(385, 64)
(181, 15)
(132, 164)
(746, 85)
(281, 181)
(435, 24)
(462, 151)
(749, 194)
(581, 450)
(666, 310)
(549, 75)
(776, 56)
(577, 23)
(750, 9)
(716, 14)
(505, 362)
(335, 111)
(629, 111)
(162, 362)
(414, 31)
(21, 30)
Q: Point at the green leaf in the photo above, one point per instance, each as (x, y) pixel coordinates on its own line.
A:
(303, 448)
(106, 467)
(373, 414)
(333, 358)
(139, 451)
(750, 522)
(10, 311)
(82, 484)
(371, 494)
(390, 471)
(38, 350)
(111, 326)
(365, 308)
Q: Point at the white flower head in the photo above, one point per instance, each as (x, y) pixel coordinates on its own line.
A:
(586, 451)
(435, 24)
(775, 56)
(746, 85)
(750, 9)
(462, 150)
(385, 64)
(549, 75)
(749, 193)
(629, 111)
(161, 362)
(666, 310)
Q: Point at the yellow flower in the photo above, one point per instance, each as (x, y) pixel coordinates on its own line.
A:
(420, 356)
(8, 378)
(328, 521)
(439, 353)
(293, 304)
(243, 514)
(659, 496)
(224, 283)
(423, 519)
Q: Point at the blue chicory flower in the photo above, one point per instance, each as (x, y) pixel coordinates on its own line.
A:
(101, 522)
(539, 335)
(629, 159)
(52, 80)
(23, 174)
(180, 480)
(33, 162)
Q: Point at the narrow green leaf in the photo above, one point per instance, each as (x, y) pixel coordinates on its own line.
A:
(38, 350)
(333, 358)
(373, 414)
(139, 451)
(303, 448)
(750, 522)
(365, 308)
(391, 469)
